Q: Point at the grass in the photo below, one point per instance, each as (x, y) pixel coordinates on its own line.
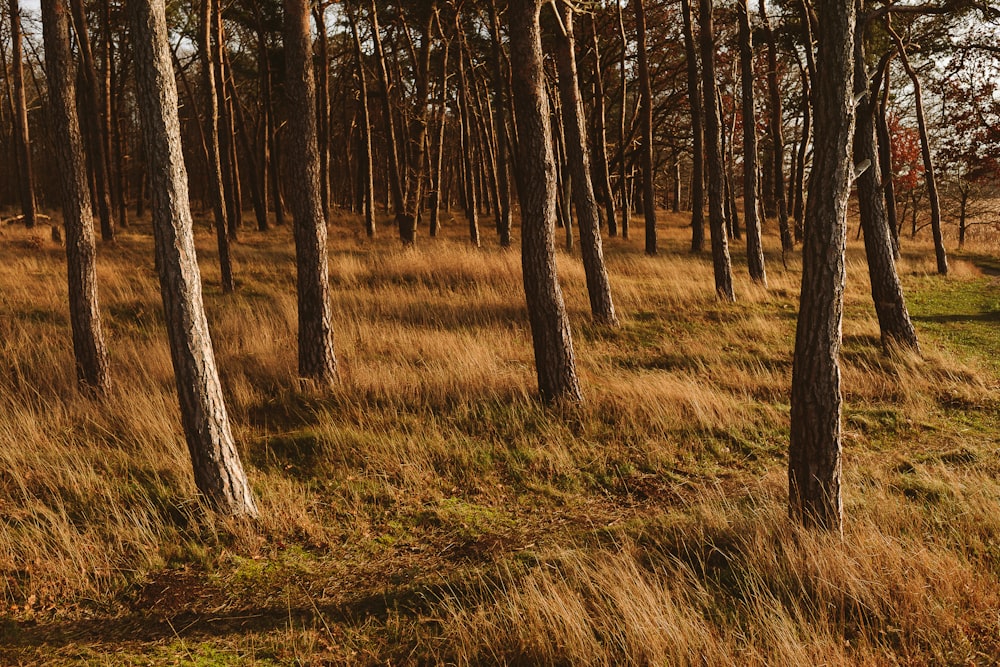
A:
(430, 511)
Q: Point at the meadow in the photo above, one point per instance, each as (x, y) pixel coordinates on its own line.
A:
(430, 510)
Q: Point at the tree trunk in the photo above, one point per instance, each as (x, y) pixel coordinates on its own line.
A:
(468, 159)
(622, 139)
(227, 160)
(218, 471)
(587, 212)
(755, 248)
(92, 120)
(925, 152)
(697, 134)
(603, 182)
(814, 463)
(885, 163)
(777, 141)
(716, 184)
(395, 178)
(550, 331)
(323, 105)
(85, 317)
(27, 176)
(798, 178)
(500, 91)
(316, 358)
(646, 131)
(366, 167)
(887, 292)
(216, 191)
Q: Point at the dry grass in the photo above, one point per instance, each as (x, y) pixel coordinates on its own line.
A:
(429, 510)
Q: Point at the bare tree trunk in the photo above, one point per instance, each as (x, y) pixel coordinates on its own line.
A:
(550, 331)
(697, 132)
(218, 471)
(468, 161)
(316, 357)
(925, 152)
(798, 178)
(887, 292)
(646, 131)
(92, 120)
(27, 176)
(500, 95)
(323, 105)
(622, 139)
(227, 159)
(406, 219)
(603, 189)
(598, 286)
(367, 169)
(778, 142)
(85, 316)
(814, 462)
(395, 178)
(885, 163)
(755, 248)
(216, 190)
(716, 177)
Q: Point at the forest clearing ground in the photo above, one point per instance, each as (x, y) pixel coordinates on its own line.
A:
(429, 510)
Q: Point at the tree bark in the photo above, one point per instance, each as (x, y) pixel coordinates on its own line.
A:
(626, 205)
(218, 470)
(323, 105)
(646, 131)
(587, 212)
(92, 119)
(468, 160)
(316, 357)
(925, 151)
(500, 95)
(716, 185)
(697, 134)
(885, 163)
(814, 461)
(777, 140)
(85, 316)
(395, 178)
(553, 343)
(603, 182)
(216, 190)
(755, 248)
(27, 175)
(887, 292)
(366, 167)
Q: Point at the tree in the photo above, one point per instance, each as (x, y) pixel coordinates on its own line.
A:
(599, 288)
(755, 249)
(697, 134)
(887, 292)
(85, 316)
(26, 172)
(777, 140)
(814, 462)
(646, 131)
(713, 149)
(555, 363)
(316, 357)
(218, 471)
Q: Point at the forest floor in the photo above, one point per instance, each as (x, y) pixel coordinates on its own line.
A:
(430, 511)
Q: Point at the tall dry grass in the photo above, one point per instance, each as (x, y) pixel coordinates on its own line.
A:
(645, 527)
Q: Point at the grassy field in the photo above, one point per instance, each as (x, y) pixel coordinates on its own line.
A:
(431, 511)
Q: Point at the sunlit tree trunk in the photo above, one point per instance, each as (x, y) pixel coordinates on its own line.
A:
(85, 317)
(755, 249)
(697, 133)
(218, 471)
(27, 176)
(553, 343)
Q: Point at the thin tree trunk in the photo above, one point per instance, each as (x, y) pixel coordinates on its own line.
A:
(216, 191)
(716, 186)
(323, 104)
(755, 248)
(92, 120)
(646, 133)
(468, 161)
(885, 163)
(85, 316)
(814, 461)
(366, 167)
(622, 140)
(501, 102)
(395, 178)
(553, 343)
(697, 133)
(229, 167)
(218, 471)
(27, 176)
(777, 140)
(316, 357)
(587, 212)
(603, 190)
(887, 292)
